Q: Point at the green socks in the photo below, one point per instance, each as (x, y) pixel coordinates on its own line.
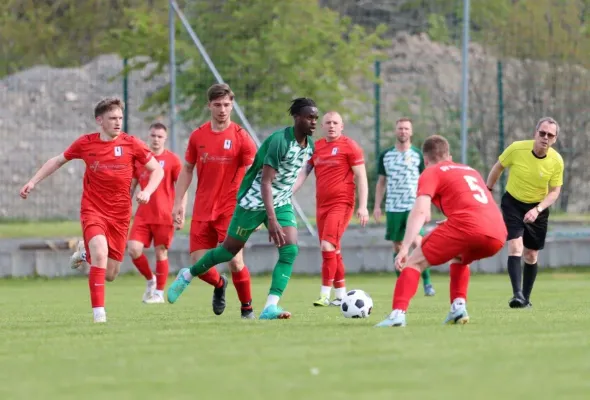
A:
(426, 276)
(283, 269)
(211, 258)
(425, 273)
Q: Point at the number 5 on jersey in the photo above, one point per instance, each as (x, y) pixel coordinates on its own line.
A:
(481, 194)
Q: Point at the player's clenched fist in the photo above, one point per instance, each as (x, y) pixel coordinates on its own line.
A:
(275, 233)
(377, 213)
(363, 216)
(25, 190)
(142, 197)
(178, 216)
(401, 258)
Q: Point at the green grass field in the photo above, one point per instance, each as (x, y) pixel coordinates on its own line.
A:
(50, 349)
(44, 229)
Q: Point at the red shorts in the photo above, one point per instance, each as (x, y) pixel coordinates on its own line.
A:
(332, 222)
(445, 243)
(162, 235)
(205, 235)
(115, 233)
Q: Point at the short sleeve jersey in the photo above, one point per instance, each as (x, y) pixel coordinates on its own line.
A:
(530, 176)
(282, 152)
(460, 193)
(401, 170)
(221, 159)
(333, 162)
(110, 166)
(158, 210)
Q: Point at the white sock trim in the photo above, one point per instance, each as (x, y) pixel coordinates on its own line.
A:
(325, 291)
(187, 275)
(340, 292)
(272, 299)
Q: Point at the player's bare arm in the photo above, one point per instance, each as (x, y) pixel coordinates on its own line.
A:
(182, 184)
(419, 215)
(156, 175)
(379, 194)
(134, 183)
(50, 166)
(548, 201)
(494, 175)
(275, 232)
(303, 174)
(362, 183)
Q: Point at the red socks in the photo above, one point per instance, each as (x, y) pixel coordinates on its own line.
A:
(459, 281)
(96, 282)
(162, 269)
(405, 288)
(329, 266)
(212, 277)
(339, 281)
(143, 266)
(241, 281)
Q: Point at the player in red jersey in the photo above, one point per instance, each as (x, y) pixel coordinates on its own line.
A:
(472, 231)
(221, 150)
(105, 212)
(153, 221)
(339, 162)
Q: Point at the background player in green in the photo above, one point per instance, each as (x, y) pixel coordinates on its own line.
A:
(399, 169)
(265, 197)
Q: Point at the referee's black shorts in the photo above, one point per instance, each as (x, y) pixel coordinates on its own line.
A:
(533, 234)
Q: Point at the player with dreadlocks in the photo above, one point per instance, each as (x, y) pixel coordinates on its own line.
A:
(265, 197)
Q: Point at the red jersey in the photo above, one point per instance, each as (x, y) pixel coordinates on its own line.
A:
(333, 162)
(461, 194)
(159, 209)
(221, 159)
(109, 171)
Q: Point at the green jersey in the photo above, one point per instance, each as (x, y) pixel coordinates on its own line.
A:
(402, 170)
(282, 152)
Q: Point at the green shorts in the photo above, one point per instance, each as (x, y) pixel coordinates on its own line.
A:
(396, 226)
(244, 222)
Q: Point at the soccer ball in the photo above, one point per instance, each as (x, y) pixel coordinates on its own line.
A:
(356, 304)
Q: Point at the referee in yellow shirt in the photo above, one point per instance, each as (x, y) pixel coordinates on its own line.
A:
(534, 184)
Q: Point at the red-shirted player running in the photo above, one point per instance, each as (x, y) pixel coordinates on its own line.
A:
(339, 162)
(472, 231)
(221, 151)
(153, 221)
(105, 212)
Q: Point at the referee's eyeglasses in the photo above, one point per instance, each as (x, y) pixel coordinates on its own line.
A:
(548, 134)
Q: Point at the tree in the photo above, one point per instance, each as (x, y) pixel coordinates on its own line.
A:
(59, 33)
(551, 41)
(269, 53)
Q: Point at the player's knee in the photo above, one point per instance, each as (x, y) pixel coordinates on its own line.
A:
(161, 253)
(327, 246)
(397, 246)
(113, 268)
(134, 250)
(530, 256)
(515, 247)
(288, 253)
(99, 257)
(235, 265)
(111, 276)
(232, 245)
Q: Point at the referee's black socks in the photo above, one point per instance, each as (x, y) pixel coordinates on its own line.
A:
(529, 276)
(515, 273)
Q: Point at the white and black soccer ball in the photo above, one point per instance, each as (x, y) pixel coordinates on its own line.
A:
(356, 304)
